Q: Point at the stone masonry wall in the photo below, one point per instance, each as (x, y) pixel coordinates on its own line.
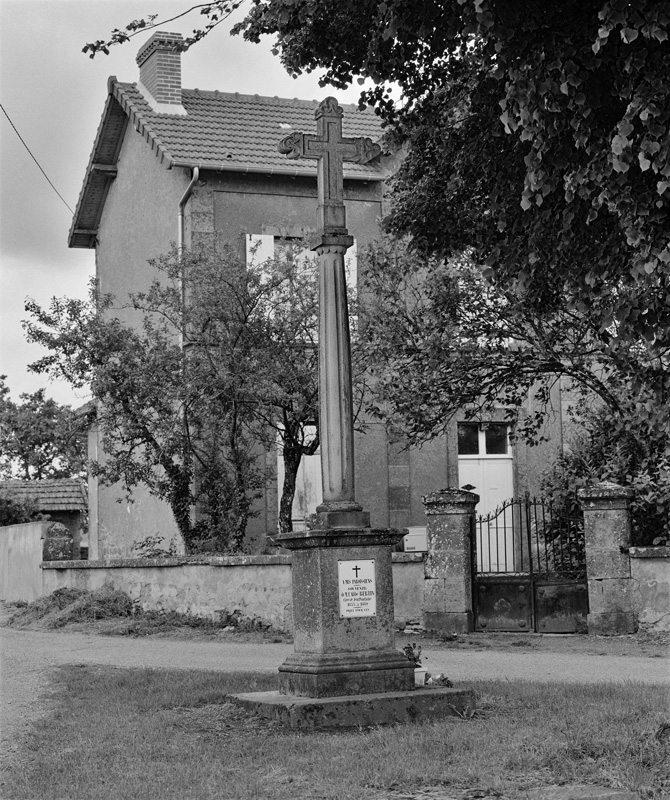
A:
(258, 586)
(650, 577)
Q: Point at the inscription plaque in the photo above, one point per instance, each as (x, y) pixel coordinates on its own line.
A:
(358, 589)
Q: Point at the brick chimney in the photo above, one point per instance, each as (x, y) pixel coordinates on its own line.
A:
(159, 61)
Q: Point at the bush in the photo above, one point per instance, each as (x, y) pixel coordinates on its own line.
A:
(616, 449)
(15, 512)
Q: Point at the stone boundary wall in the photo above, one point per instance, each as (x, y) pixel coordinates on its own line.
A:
(650, 575)
(20, 556)
(258, 586)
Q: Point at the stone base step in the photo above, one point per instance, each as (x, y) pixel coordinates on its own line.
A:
(362, 710)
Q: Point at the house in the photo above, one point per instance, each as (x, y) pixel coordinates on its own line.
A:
(63, 500)
(189, 166)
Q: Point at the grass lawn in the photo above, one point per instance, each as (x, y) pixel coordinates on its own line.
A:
(119, 734)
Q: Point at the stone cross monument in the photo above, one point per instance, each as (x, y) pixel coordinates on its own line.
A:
(342, 579)
(345, 670)
(330, 149)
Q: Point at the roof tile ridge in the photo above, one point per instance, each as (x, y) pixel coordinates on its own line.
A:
(140, 118)
(258, 98)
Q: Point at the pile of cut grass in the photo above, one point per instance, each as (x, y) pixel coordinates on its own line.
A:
(146, 623)
(72, 606)
(66, 606)
(174, 735)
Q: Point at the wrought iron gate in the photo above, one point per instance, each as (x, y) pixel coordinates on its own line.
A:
(529, 569)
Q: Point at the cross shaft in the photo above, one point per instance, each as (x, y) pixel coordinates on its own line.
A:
(331, 149)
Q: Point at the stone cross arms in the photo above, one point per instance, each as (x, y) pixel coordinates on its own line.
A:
(331, 149)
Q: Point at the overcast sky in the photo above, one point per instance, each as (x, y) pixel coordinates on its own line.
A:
(55, 95)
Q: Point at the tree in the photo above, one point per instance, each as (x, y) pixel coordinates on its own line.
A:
(15, 512)
(39, 438)
(223, 363)
(536, 133)
(440, 340)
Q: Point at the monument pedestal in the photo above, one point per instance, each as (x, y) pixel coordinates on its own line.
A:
(343, 615)
(345, 670)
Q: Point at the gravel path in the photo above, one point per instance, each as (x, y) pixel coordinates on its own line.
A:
(28, 656)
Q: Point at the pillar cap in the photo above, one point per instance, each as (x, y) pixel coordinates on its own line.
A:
(339, 537)
(446, 500)
(606, 491)
(331, 237)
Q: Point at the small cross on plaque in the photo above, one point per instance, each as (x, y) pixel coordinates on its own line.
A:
(330, 148)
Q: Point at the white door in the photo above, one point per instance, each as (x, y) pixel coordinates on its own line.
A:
(486, 467)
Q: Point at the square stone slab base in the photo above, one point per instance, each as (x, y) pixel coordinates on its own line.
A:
(361, 710)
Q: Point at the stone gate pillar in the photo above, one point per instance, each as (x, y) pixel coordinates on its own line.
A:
(607, 529)
(448, 565)
(57, 544)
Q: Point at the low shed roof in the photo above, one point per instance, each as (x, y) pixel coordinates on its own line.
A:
(58, 494)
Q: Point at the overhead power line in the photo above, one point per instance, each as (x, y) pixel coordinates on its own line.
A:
(34, 159)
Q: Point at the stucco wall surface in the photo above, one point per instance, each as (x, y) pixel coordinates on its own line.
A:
(258, 586)
(139, 222)
(408, 585)
(650, 576)
(20, 556)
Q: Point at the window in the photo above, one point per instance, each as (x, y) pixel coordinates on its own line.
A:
(261, 248)
(264, 247)
(468, 439)
(483, 439)
(495, 439)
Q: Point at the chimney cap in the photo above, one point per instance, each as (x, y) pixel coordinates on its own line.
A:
(163, 40)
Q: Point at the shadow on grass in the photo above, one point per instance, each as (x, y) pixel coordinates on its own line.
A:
(145, 734)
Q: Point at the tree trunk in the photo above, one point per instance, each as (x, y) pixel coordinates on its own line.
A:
(241, 490)
(292, 457)
(180, 502)
(242, 508)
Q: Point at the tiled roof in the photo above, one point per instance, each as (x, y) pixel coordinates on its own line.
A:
(62, 494)
(220, 131)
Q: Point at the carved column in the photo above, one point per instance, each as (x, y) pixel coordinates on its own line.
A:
(448, 565)
(607, 529)
(335, 403)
